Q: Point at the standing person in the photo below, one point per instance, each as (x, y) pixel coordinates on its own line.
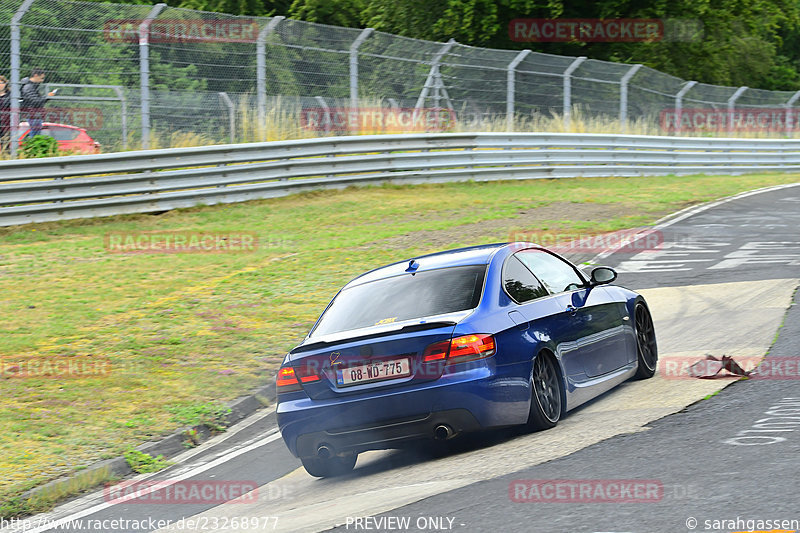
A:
(32, 100)
(5, 113)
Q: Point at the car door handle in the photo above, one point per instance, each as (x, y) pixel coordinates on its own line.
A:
(571, 309)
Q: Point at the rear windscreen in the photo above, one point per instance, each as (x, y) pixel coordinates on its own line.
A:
(405, 297)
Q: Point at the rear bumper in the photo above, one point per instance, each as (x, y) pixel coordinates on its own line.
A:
(469, 400)
(388, 434)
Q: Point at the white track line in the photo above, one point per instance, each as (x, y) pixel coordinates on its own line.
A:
(272, 436)
(214, 441)
(687, 212)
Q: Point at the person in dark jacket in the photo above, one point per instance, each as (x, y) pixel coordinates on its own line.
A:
(33, 102)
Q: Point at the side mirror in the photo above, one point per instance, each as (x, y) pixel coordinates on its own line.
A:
(603, 275)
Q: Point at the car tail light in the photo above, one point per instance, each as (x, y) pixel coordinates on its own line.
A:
(307, 373)
(289, 378)
(460, 349)
(436, 352)
(470, 347)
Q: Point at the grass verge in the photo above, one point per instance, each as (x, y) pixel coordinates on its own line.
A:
(184, 333)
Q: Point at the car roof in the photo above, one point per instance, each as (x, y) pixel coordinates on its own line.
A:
(45, 124)
(472, 255)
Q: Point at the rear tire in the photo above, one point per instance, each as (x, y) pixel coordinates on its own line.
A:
(546, 407)
(646, 347)
(329, 467)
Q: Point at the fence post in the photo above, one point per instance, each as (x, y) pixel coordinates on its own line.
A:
(788, 105)
(261, 67)
(567, 106)
(144, 71)
(679, 103)
(231, 114)
(731, 105)
(623, 96)
(354, 65)
(15, 68)
(510, 88)
(328, 119)
(124, 111)
(433, 74)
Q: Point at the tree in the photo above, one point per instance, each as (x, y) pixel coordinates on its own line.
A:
(744, 42)
(335, 12)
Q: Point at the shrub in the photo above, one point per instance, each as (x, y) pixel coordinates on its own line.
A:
(39, 146)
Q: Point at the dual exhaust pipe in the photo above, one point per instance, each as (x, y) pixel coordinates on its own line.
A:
(324, 451)
(441, 432)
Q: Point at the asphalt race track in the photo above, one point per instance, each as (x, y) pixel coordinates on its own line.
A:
(720, 284)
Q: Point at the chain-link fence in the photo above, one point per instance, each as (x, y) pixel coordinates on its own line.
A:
(145, 76)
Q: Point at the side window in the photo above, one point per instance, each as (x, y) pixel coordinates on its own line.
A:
(556, 274)
(519, 283)
(63, 134)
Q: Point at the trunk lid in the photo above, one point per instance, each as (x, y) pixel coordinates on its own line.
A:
(372, 358)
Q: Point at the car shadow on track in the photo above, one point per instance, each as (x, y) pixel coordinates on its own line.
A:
(430, 450)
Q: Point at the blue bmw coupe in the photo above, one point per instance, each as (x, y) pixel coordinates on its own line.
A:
(454, 342)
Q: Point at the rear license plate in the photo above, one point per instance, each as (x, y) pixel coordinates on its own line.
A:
(375, 371)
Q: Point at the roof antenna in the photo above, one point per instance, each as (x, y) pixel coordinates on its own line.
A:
(412, 266)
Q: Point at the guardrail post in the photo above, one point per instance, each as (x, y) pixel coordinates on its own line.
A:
(354, 65)
(788, 105)
(623, 96)
(261, 67)
(15, 67)
(679, 103)
(231, 114)
(144, 71)
(567, 106)
(731, 105)
(510, 88)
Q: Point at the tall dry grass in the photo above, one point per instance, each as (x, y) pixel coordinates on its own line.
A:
(284, 123)
(581, 122)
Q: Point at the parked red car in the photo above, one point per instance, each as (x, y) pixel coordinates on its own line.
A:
(70, 138)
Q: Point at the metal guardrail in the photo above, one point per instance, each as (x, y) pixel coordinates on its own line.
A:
(58, 188)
